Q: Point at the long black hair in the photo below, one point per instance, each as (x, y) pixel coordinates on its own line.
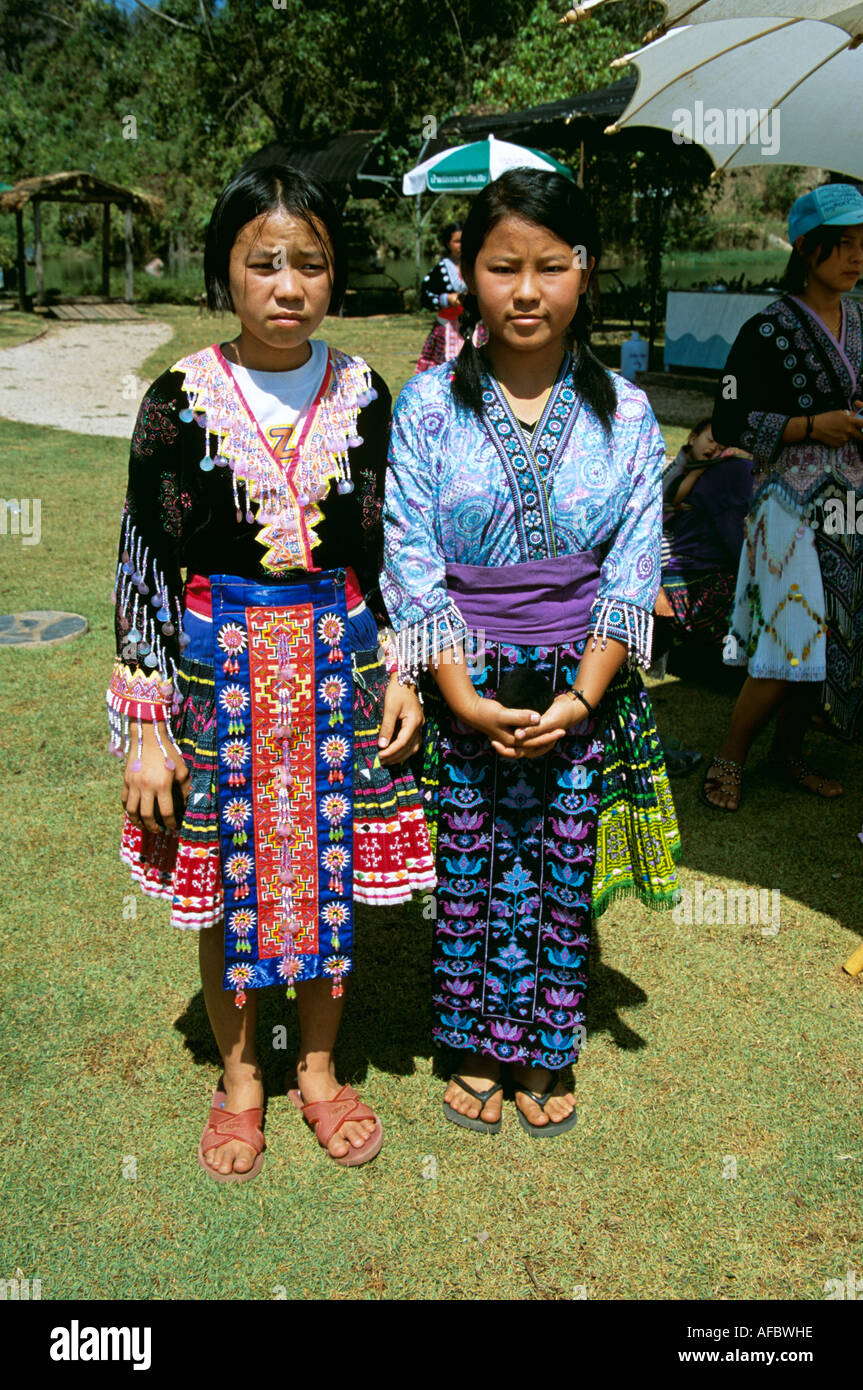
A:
(271, 188)
(797, 270)
(555, 202)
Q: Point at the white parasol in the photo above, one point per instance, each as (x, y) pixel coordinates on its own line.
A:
(790, 95)
(677, 12)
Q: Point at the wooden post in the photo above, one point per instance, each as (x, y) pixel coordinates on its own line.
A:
(127, 237)
(40, 268)
(654, 273)
(106, 250)
(21, 260)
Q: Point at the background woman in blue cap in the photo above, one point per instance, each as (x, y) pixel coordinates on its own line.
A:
(792, 396)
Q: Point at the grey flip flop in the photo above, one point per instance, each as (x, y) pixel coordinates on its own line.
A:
(481, 1126)
(554, 1126)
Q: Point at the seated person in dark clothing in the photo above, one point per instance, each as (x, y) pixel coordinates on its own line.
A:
(707, 491)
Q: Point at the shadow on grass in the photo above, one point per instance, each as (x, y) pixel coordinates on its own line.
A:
(387, 1019)
(782, 837)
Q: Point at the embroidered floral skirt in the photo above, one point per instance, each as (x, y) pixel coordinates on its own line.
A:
(702, 603)
(392, 858)
(779, 617)
(529, 851)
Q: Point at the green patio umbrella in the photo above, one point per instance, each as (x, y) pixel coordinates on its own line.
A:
(469, 168)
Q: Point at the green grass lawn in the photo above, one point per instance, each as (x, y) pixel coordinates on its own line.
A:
(16, 327)
(712, 1050)
(390, 343)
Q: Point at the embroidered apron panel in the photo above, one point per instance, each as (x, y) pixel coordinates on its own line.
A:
(284, 711)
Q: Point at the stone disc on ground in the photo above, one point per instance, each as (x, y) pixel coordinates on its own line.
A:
(40, 627)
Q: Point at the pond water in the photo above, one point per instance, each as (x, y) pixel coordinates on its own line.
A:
(678, 271)
(70, 273)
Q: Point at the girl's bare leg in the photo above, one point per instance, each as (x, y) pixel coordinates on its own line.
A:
(755, 704)
(234, 1031)
(320, 1016)
(791, 725)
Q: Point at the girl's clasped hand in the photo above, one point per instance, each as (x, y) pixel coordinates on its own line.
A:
(523, 733)
(837, 427)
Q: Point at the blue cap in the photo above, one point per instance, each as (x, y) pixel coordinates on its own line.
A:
(834, 205)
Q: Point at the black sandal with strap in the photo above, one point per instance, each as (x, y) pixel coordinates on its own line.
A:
(795, 770)
(466, 1121)
(554, 1126)
(729, 771)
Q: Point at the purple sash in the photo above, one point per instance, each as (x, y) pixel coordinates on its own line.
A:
(536, 603)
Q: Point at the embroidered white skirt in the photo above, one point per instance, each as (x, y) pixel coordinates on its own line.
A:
(778, 625)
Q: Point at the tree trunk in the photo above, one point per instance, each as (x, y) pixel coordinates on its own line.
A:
(654, 273)
(21, 260)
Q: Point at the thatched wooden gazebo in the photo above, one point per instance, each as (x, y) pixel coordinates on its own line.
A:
(75, 186)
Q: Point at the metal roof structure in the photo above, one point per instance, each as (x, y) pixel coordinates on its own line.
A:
(347, 162)
(560, 123)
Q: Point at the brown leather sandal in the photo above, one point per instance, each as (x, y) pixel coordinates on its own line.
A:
(325, 1117)
(224, 1126)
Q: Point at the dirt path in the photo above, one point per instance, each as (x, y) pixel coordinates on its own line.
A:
(80, 376)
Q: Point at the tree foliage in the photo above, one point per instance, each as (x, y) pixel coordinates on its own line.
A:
(172, 95)
(548, 61)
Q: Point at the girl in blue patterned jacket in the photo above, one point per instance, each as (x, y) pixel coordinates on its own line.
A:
(523, 518)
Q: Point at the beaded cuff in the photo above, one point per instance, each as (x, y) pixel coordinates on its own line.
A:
(134, 695)
(625, 622)
(142, 696)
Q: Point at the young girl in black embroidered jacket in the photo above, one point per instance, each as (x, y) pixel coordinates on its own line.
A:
(263, 792)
